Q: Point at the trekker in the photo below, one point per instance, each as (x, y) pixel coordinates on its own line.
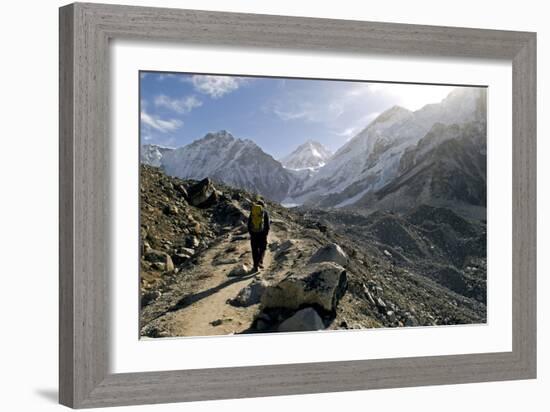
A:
(258, 228)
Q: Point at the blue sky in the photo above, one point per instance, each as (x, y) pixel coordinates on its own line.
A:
(278, 114)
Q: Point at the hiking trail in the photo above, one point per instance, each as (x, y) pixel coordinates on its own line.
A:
(204, 309)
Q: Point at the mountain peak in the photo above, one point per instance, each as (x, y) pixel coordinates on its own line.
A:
(393, 112)
(220, 134)
(308, 155)
(311, 142)
(462, 92)
(152, 154)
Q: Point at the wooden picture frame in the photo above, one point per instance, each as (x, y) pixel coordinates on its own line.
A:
(85, 31)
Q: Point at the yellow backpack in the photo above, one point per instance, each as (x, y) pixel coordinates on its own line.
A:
(257, 218)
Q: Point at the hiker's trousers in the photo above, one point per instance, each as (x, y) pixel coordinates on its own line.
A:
(258, 242)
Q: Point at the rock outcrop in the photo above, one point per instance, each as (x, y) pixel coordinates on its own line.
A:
(320, 285)
(250, 295)
(202, 194)
(240, 270)
(330, 253)
(161, 260)
(304, 320)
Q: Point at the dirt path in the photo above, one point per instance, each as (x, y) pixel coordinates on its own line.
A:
(205, 312)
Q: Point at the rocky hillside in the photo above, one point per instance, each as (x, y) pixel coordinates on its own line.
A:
(448, 167)
(323, 269)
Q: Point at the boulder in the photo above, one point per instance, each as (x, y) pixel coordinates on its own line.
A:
(411, 321)
(330, 253)
(145, 248)
(179, 258)
(196, 228)
(202, 194)
(239, 270)
(231, 213)
(250, 295)
(287, 244)
(142, 232)
(169, 264)
(171, 210)
(160, 260)
(304, 320)
(186, 251)
(284, 248)
(192, 241)
(274, 245)
(182, 191)
(380, 303)
(148, 297)
(159, 266)
(242, 229)
(368, 295)
(319, 284)
(262, 325)
(154, 256)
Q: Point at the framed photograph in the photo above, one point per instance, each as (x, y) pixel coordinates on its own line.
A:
(256, 205)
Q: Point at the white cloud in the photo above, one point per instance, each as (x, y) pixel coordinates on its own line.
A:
(182, 106)
(290, 115)
(410, 96)
(216, 86)
(169, 142)
(159, 124)
(359, 89)
(163, 76)
(347, 132)
(295, 108)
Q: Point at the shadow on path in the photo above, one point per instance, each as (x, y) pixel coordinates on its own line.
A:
(190, 299)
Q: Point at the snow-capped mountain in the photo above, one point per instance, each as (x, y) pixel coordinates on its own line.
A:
(447, 167)
(371, 159)
(236, 162)
(309, 155)
(398, 153)
(152, 154)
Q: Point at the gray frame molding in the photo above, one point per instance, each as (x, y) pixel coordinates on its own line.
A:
(85, 31)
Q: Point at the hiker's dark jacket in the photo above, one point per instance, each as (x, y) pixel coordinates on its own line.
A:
(265, 230)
